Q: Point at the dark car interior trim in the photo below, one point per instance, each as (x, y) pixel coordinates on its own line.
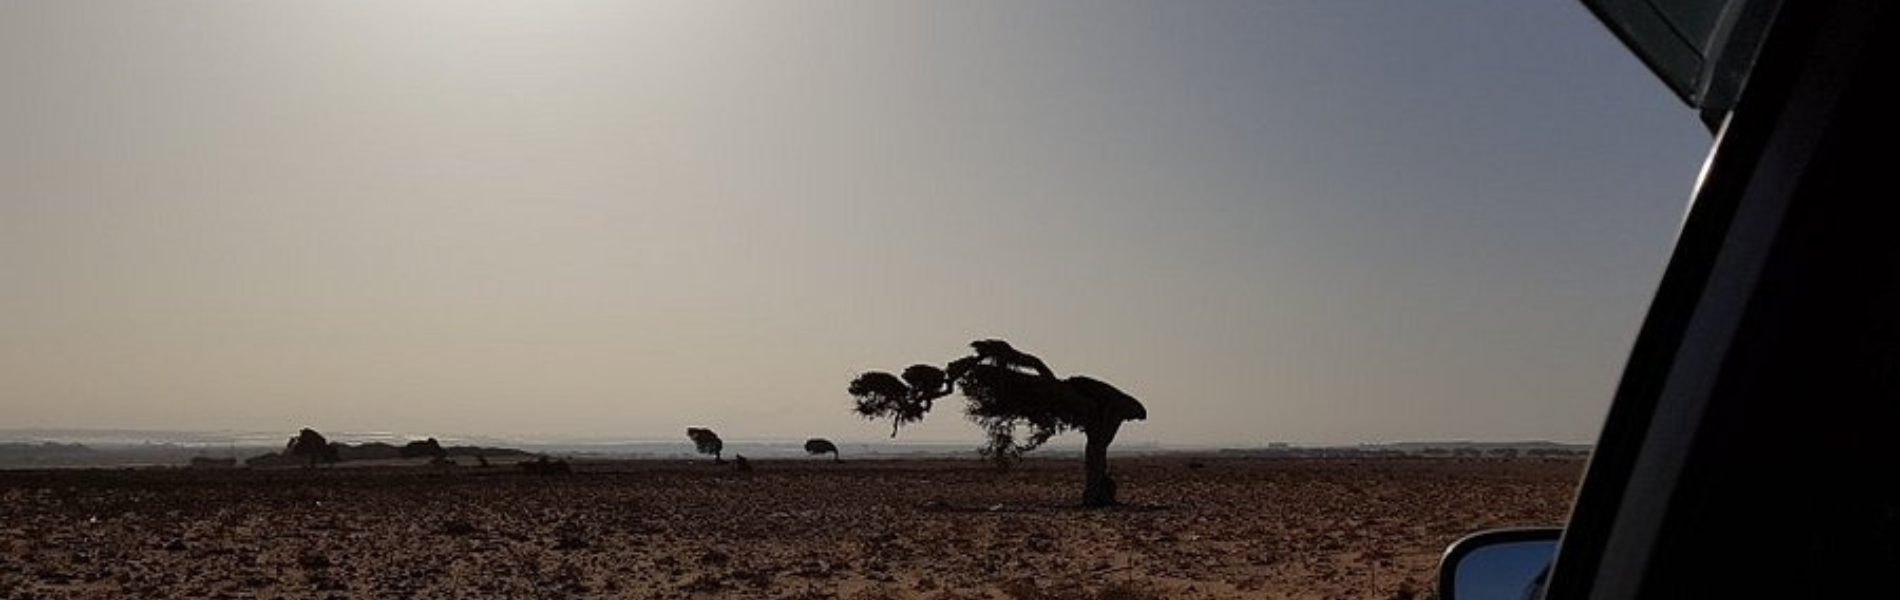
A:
(1763, 219)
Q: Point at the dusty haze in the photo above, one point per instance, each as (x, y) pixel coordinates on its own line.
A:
(1314, 222)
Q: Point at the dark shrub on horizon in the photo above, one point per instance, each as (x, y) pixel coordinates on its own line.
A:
(428, 448)
(312, 448)
(707, 442)
(817, 446)
(383, 451)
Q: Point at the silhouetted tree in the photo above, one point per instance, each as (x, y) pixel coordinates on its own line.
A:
(1018, 401)
(312, 447)
(817, 446)
(424, 448)
(707, 442)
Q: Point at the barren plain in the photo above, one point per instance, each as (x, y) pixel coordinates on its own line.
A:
(1194, 527)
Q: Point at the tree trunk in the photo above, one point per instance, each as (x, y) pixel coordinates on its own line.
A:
(1099, 488)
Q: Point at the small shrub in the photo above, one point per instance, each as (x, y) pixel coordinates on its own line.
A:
(1027, 589)
(1022, 589)
(458, 527)
(1127, 590)
(311, 559)
(875, 594)
(569, 536)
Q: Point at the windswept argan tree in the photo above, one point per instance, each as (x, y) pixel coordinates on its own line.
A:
(707, 442)
(817, 446)
(1018, 401)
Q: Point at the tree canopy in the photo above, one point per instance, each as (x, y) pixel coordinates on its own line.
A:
(1016, 399)
(1014, 396)
(706, 442)
(816, 446)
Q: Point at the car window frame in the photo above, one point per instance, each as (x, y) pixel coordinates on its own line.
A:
(1767, 151)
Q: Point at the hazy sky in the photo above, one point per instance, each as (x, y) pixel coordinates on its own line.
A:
(1315, 222)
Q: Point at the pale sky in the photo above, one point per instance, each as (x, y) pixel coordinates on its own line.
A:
(1313, 222)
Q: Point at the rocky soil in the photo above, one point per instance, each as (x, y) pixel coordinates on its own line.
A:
(1194, 527)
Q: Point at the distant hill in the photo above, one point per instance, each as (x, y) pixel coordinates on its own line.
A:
(382, 451)
(41, 455)
(1519, 445)
(48, 455)
(1450, 449)
(21, 451)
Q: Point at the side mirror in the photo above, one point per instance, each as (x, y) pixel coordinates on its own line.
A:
(1501, 564)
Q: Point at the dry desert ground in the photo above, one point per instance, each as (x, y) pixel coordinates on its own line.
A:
(1195, 527)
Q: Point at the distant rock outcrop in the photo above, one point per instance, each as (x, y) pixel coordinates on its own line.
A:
(429, 448)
